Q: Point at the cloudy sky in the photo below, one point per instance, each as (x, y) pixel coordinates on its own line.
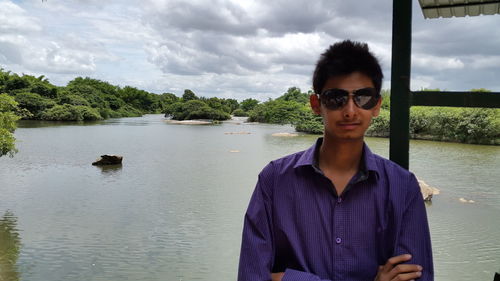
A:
(233, 48)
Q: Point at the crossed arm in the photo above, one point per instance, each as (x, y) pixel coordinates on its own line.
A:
(393, 270)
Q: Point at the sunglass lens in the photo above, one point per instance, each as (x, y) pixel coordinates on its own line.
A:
(334, 98)
(366, 98)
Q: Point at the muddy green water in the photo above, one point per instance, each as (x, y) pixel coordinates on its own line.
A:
(173, 211)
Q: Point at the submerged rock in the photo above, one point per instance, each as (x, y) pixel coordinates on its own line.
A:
(190, 122)
(463, 200)
(108, 160)
(285, 135)
(237, 133)
(427, 190)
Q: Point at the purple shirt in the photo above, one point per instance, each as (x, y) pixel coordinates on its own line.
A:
(297, 224)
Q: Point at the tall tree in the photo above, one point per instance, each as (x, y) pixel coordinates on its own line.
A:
(8, 118)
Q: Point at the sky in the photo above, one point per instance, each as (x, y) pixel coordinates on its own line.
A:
(234, 48)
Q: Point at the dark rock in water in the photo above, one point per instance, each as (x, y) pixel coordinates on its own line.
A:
(108, 160)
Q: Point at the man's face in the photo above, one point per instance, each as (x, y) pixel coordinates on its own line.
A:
(350, 122)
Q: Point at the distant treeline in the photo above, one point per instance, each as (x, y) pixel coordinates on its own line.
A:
(91, 99)
(466, 125)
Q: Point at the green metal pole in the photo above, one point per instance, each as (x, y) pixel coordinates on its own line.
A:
(399, 146)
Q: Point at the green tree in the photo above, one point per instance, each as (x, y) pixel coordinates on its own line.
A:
(277, 112)
(248, 104)
(7, 125)
(34, 103)
(73, 99)
(294, 94)
(232, 104)
(217, 104)
(189, 95)
(310, 123)
(165, 100)
(68, 112)
(195, 109)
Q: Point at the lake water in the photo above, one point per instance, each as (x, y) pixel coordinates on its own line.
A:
(173, 211)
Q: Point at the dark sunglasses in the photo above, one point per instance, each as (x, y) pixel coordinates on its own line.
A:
(365, 98)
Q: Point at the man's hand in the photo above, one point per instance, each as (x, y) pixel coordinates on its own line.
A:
(277, 276)
(394, 271)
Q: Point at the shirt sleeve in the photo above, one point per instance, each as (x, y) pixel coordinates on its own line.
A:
(257, 247)
(414, 237)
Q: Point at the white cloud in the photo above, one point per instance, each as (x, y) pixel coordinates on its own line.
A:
(15, 19)
(232, 48)
(434, 63)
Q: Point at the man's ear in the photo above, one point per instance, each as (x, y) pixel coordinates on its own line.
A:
(315, 104)
(376, 109)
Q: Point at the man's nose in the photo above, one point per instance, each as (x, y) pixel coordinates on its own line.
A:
(349, 109)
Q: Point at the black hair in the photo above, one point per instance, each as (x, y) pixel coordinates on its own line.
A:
(344, 58)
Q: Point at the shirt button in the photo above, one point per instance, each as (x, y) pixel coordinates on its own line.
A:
(339, 200)
(338, 240)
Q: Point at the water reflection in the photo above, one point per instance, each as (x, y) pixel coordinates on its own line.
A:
(10, 245)
(110, 169)
(43, 124)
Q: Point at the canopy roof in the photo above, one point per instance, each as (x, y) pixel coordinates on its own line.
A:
(458, 8)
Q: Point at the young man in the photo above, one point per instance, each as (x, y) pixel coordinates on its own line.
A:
(337, 211)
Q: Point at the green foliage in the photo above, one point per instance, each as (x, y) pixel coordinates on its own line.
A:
(36, 96)
(386, 99)
(189, 95)
(294, 94)
(277, 112)
(165, 100)
(217, 104)
(248, 104)
(310, 123)
(481, 90)
(140, 99)
(7, 125)
(13, 83)
(240, 113)
(466, 125)
(195, 109)
(126, 111)
(68, 98)
(231, 103)
(34, 103)
(97, 86)
(380, 125)
(68, 112)
(290, 108)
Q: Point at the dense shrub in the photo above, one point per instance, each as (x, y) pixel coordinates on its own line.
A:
(34, 103)
(380, 125)
(278, 112)
(310, 123)
(240, 112)
(8, 118)
(68, 112)
(195, 109)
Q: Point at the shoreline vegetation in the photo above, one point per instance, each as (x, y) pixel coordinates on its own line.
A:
(85, 99)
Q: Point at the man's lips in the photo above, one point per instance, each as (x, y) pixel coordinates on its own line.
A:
(349, 126)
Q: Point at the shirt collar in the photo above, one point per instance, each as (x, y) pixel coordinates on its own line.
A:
(310, 156)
